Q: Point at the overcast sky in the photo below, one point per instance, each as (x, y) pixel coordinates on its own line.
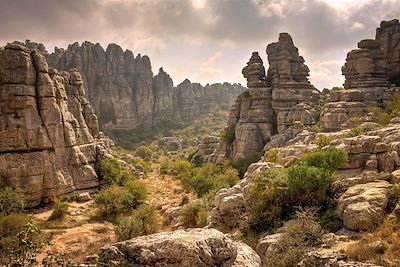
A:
(203, 40)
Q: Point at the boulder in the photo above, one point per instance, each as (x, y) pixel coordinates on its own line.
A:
(362, 206)
(191, 247)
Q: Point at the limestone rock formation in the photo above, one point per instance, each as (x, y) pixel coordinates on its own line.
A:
(388, 36)
(372, 74)
(193, 99)
(49, 134)
(282, 102)
(186, 248)
(293, 97)
(126, 95)
(362, 207)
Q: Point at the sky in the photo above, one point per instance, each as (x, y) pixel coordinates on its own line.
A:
(205, 41)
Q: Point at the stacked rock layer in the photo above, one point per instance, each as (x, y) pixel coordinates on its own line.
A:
(126, 95)
(49, 134)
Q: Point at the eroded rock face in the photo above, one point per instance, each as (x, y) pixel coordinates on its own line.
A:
(186, 248)
(372, 75)
(49, 134)
(282, 102)
(126, 96)
(388, 36)
(362, 207)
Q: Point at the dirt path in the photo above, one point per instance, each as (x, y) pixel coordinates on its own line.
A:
(165, 190)
(76, 236)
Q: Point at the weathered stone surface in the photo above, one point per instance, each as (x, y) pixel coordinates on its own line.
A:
(328, 258)
(362, 206)
(388, 36)
(282, 102)
(126, 96)
(229, 204)
(191, 247)
(49, 135)
(371, 72)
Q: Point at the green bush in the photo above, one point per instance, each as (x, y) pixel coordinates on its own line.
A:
(60, 209)
(323, 141)
(195, 214)
(242, 164)
(361, 129)
(228, 135)
(379, 116)
(20, 240)
(145, 220)
(266, 201)
(115, 200)
(207, 178)
(110, 170)
(272, 155)
(330, 159)
(144, 152)
(308, 185)
(11, 200)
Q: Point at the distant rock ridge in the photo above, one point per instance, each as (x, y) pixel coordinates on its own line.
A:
(125, 94)
(49, 135)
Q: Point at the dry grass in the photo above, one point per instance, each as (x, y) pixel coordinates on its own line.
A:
(380, 247)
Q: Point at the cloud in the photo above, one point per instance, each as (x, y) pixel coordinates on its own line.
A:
(174, 32)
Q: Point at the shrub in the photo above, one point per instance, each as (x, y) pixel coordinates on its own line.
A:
(266, 200)
(379, 116)
(329, 160)
(115, 200)
(228, 135)
(308, 185)
(242, 164)
(209, 177)
(393, 195)
(301, 234)
(145, 220)
(20, 240)
(381, 246)
(393, 105)
(110, 170)
(60, 208)
(361, 129)
(272, 155)
(195, 214)
(184, 200)
(144, 152)
(11, 200)
(323, 141)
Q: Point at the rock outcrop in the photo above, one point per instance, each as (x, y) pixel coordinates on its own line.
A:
(186, 248)
(126, 95)
(372, 74)
(388, 36)
(281, 102)
(49, 135)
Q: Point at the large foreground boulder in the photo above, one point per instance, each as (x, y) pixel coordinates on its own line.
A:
(184, 248)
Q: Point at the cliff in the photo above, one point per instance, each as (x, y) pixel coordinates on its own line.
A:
(125, 94)
(49, 136)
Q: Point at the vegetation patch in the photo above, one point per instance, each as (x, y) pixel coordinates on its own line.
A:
(242, 164)
(115, 200)
(60, 209)
(276, 194)
(302, 233)
(143, 221)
